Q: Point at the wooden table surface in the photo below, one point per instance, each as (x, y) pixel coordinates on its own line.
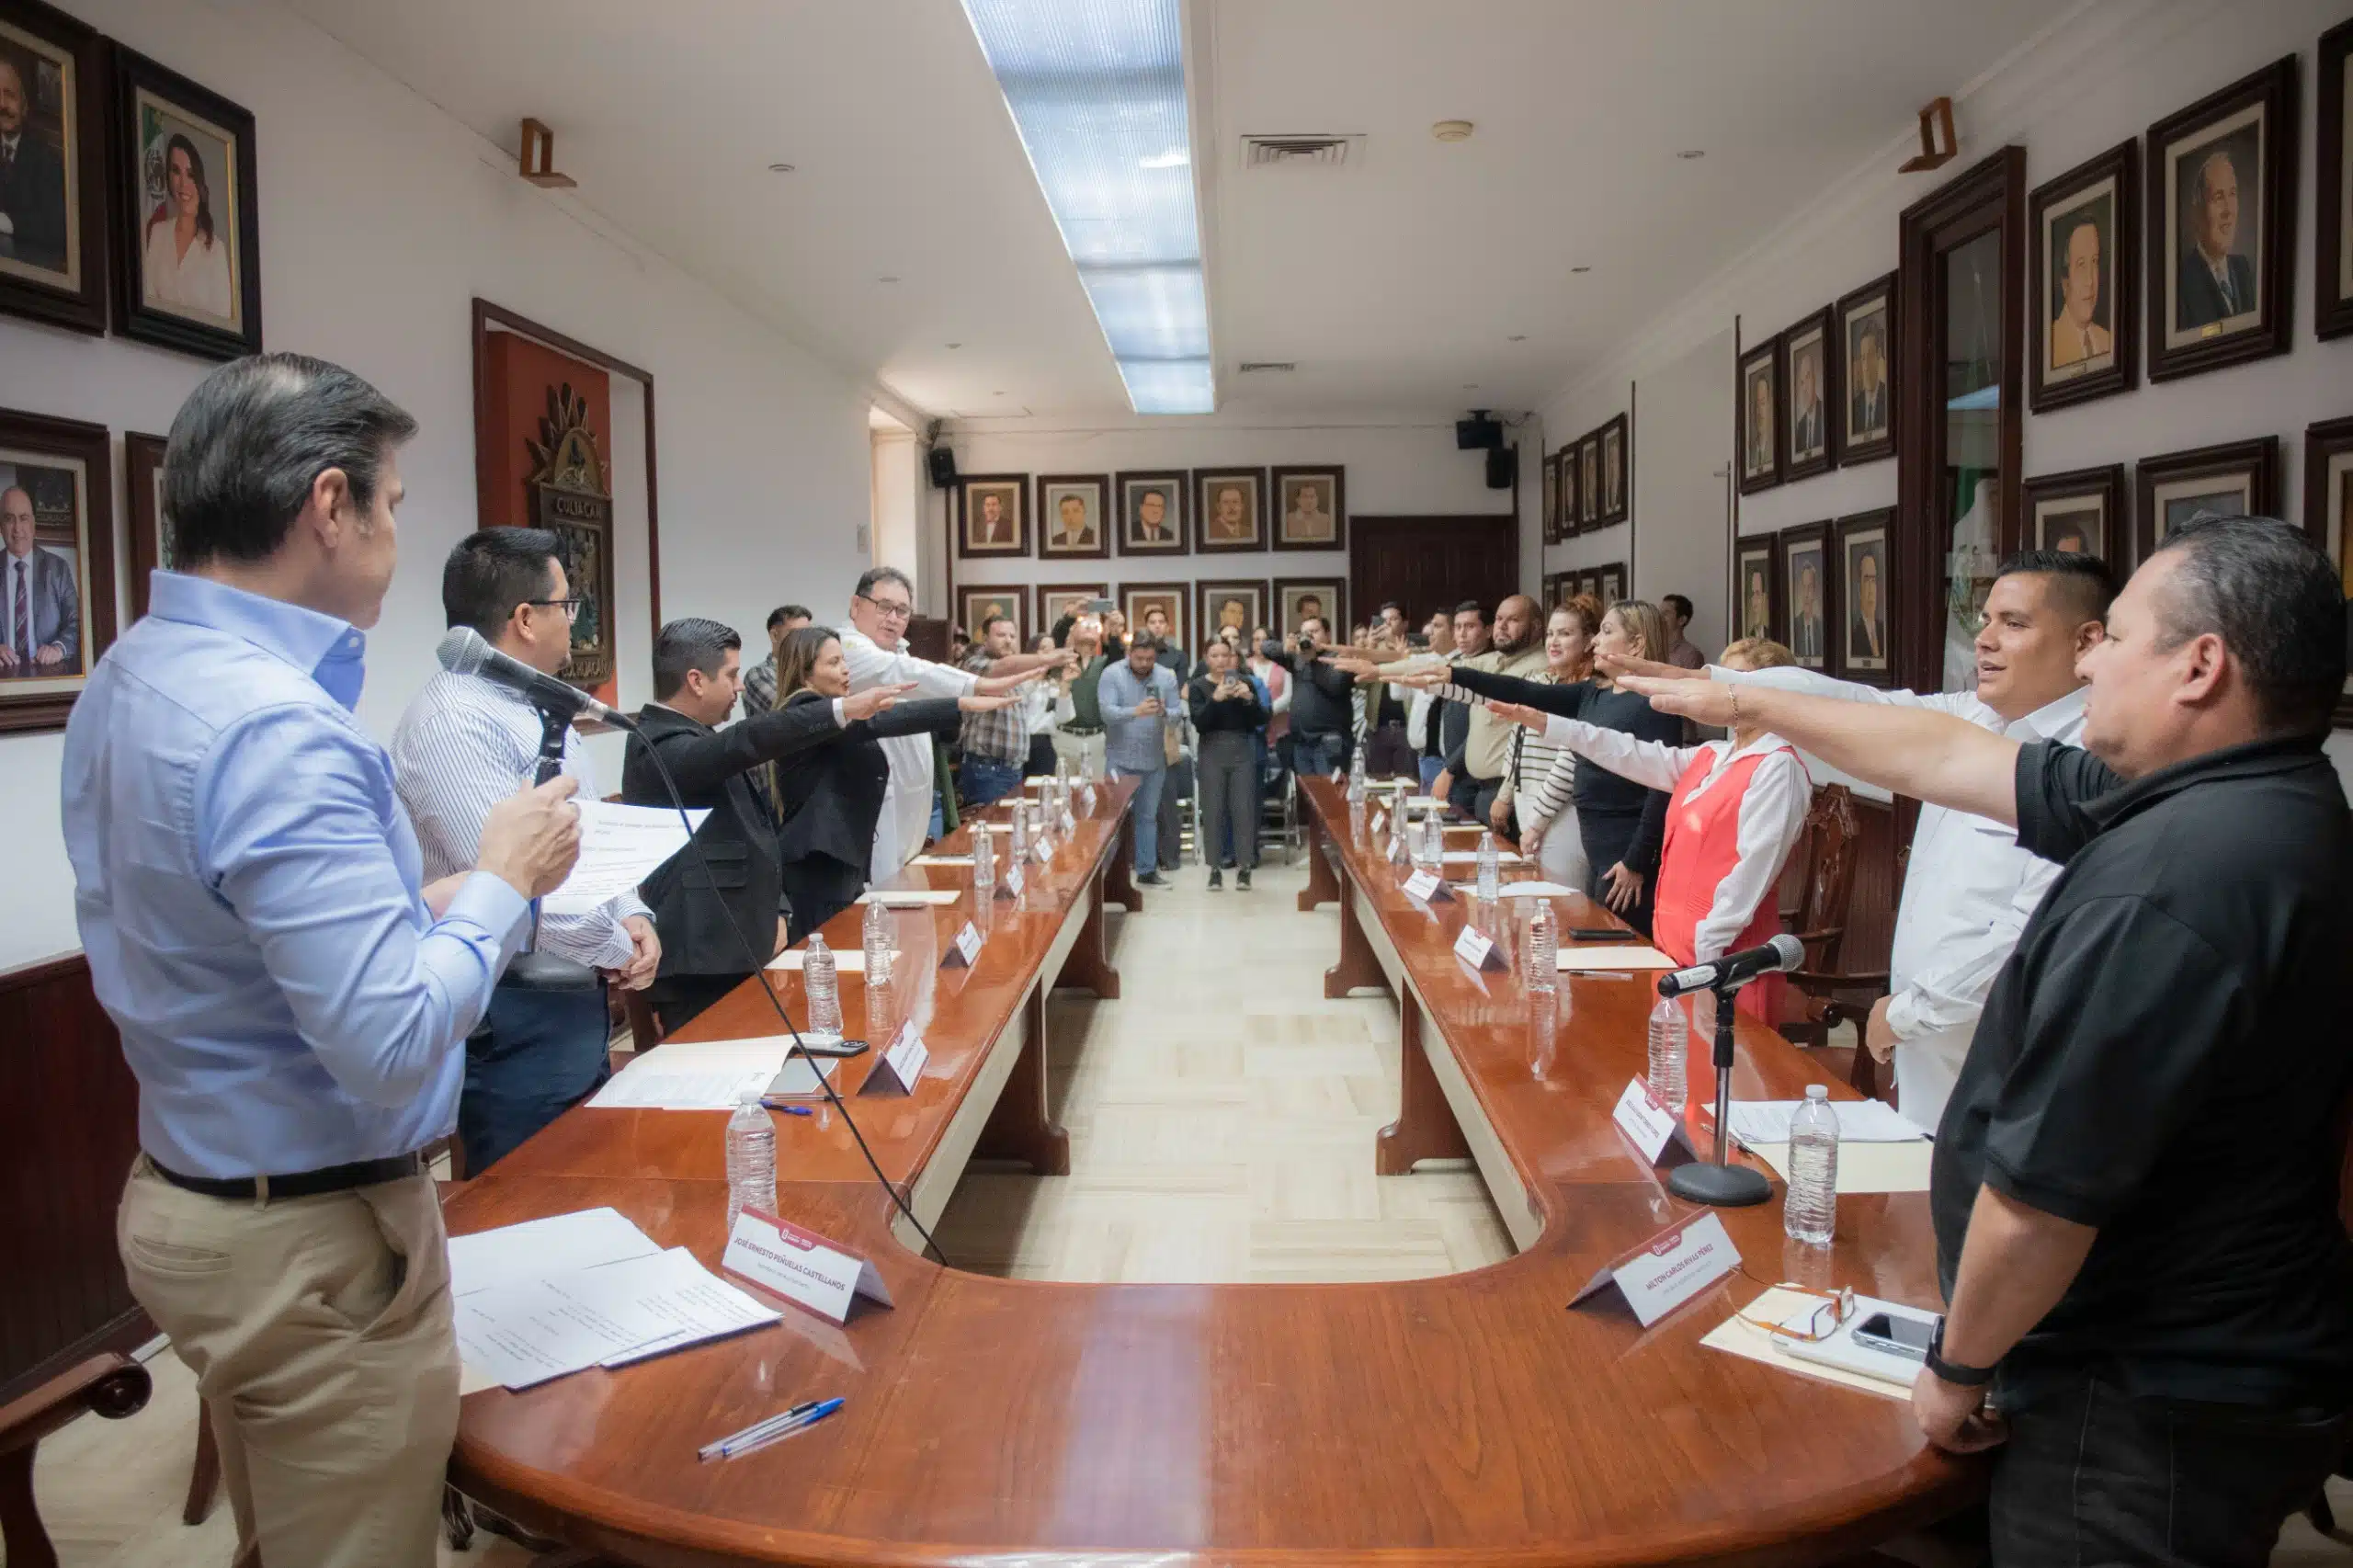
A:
(1470, 1418)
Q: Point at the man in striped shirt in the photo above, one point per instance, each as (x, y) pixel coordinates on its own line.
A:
(465, 745)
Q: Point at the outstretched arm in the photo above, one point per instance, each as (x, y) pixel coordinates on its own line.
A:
(1929, 755)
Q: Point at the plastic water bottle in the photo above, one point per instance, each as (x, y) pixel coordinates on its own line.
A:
(984, 860)
(1491, 875)
(1542, 948)
(1017, 847)
(1400, 834)
(751, 1159)
(1810, 1213)
(824, 987)
(1356, 777)
(881, 942)
(1670, 1050)
(1434, 842)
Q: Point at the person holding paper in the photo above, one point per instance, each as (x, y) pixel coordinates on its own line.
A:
(292, 993)
(461, 747)
(2135, 1182)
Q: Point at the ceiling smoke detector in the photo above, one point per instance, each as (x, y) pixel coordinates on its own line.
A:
(1310, 151)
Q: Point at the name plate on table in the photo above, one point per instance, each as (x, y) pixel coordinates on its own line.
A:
(1477, 949)
(1010, 885)
(967, 948)
(1649, 1125)
(901, 1063)
(1086, 798)
(1669, 1269)
(1379, 816)
(800, 1266)
(1069, 823)
(1428, 886)
(1044, 850)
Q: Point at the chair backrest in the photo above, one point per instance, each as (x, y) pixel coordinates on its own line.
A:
(645, 1029)
(1831, 831)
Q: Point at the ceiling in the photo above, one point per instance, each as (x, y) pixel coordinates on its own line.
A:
(1392, 283)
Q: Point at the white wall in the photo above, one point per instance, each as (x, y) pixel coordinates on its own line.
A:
(380, 219)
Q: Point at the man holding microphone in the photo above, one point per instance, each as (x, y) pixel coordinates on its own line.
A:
(292, 997)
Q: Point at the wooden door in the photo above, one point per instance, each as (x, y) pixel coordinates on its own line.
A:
(1431, 562)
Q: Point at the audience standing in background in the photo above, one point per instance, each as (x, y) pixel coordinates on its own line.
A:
(1543, 781)
(1229, 712)
(1679, 651)
(759, 681)
(1274, 740)
(1039, 700)
(1078, 738)
(1138, 697)
(1425, 710)
(1322, 724)
(1388, 754)
(1179, 788)
(995, 741)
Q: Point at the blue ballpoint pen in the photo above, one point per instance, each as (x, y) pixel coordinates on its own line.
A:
(735, 1447)
(714, 1449)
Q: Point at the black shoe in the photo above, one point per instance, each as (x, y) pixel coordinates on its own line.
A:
(1152, 879)
(1242, 880)
(1217, 879)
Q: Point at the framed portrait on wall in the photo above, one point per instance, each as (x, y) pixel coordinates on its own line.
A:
(2083, 237)
(1588, 585)
(187, 238)
(1152, 512)
(1570, 522)
(1299, 597)
(1614, 496)
(1867, 332)
(1811, 591)
(1071, 512)
(1310, 507)
(2222, 192)
(2233, 480)
(1137, 600)
(1230, 506)
(1589, 482)
(1809, 372)
(1759, 414)
(976, 604)
(991, 514)
(151, 544)
(1757, 588)
(57, 593)
(2328, 513)
(1056, 600)
(1609, 582)
(1552, 590)
(52, 194)
(1241, 605)
(1865, 589)
(2333, 245)
(2080, 513)
(1552, 499)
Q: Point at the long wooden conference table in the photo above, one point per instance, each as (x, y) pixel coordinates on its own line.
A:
(1471, 1418)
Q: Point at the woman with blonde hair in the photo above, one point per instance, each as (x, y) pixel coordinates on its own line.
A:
(1541, 777)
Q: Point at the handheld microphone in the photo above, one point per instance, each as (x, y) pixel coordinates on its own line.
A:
(1783, 953)
(463, 652)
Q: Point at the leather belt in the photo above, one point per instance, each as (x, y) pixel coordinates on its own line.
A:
(303, 1183)
(1082, 729)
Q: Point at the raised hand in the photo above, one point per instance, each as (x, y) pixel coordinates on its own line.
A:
(1519, 713)
(984, 702)
(873, 700)
(1706, 701)
(1615, 664)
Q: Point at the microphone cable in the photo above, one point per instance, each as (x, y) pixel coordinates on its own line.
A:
(759, 973)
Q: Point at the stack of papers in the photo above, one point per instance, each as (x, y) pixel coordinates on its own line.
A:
(619, 848)
(1466, 856)
(705, 1074)
(846, 961)
(909, 898)
(556, 1296)
(964, 859)
(1860, 1121)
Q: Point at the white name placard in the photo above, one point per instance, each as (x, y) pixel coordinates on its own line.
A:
(1649, 1125)
(1427, 886)
(966, 949)
(800, 1266)
(1477, 949)
(1069, 823)
(1669, 1269)
(1044, 850)
(900, 1066)
(1378, 817)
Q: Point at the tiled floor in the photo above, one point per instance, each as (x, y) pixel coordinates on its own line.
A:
(1222, 1116)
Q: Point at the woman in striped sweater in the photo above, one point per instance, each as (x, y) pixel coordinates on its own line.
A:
(1541, 775)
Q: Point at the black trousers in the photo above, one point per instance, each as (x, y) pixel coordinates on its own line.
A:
(1042, 757)
(2091, 1477)
(819, 887)
(1608, 837)
(1387, 753)
(679, 999)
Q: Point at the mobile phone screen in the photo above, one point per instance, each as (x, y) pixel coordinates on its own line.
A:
(1906, 1336)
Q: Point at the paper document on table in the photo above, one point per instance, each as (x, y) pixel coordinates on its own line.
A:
(676, 1290)
(941, 860)
(515, 1254)
(1614, 958)
(703, 1074)
(1860, 1121)
(846, 961)
(1536, 890)
(909, 898)
(524, 1334)
(1864, 1168)
(1742, 1337)
(619, 848)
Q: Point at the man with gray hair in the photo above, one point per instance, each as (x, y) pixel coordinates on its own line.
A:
(41, 608)
(32, 179)
(2213, 280)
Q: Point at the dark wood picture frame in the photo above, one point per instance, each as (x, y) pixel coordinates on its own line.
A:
(142, 469)
(1048, 517)
(134, 74)
(1277, 520)
(1622, 429)
(2048, 387)
(1845, 533)
(2328, 485)
(1764, 358)
(1788, 542)
(1858, 307)
(1207, 594)
(72, 295)
(966, 486)
(2256, 461)
(1205, 509)
(1570, 526)
(1752, 550)
(2105, 486)
(1177, 485)
(2272, 92)
(1048, 592)
(1552, 499)
(1014, 598)
(1589, 481)
(2333, 239)
(75, 441)
(1550, 586)
(1822, 327)
(1333, 590)
(1611, 583)
(1180, 606)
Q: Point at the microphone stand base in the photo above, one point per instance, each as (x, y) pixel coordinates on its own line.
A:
(1721, 1187)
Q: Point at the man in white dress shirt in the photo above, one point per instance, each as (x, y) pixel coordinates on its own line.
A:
(874, 645)
(1969, 889)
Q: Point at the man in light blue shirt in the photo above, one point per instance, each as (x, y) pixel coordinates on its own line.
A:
(1136, 696)
(291, 998)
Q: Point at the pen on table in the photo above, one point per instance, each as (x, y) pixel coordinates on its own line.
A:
(1597, 973)
(784, 1427)
(804, 1408)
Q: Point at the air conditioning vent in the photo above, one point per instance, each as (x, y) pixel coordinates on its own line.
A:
(1267, 366)
(1302, 152)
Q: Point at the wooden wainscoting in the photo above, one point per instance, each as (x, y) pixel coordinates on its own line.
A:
(68, 1129)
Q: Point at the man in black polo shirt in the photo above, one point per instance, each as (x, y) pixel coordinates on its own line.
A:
(2135, 1180)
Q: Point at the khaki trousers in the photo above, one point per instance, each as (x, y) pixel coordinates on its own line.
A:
(319, 1330)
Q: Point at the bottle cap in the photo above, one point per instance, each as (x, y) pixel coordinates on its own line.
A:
(747, 1096)
(1817, 1091)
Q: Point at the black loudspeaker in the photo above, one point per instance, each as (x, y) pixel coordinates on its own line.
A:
(1478, 432)
(1500, 463)
(943, 467)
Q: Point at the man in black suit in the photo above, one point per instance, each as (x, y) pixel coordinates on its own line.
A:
(2215, 281)
(1805, 621)
(735, 880)
(1805, 415)
(1867, 408)
(32, 180)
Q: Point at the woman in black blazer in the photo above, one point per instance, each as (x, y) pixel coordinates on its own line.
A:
(829, 796)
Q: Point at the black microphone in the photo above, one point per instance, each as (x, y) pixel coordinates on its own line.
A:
(464, 653)
(1782, 952)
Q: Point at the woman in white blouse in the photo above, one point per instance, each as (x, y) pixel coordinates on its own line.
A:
(1542, 774)
(185, 262)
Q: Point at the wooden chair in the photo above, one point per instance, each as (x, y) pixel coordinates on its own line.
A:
(1821, 995)
(110, 1386)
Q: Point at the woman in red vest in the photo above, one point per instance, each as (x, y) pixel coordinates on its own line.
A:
(1737, 808)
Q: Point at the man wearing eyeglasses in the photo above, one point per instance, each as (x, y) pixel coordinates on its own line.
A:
(874, 644)
(465, 745)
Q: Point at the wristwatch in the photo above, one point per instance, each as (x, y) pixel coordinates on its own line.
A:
(1960, 1377)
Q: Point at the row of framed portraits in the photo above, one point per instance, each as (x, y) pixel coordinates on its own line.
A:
(1822, 591)
(1820, 393)
(1605, 583)
(57, 546)
(1586, 482)
(1196, 611)
(1155, 512)
(127, 192)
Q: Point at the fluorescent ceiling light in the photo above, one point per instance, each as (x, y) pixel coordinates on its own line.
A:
(1097, 89)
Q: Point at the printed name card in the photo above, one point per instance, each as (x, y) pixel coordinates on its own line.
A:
(1043, 849)
(1477, 949)
(967, 948)
(895, 1072)
(1086, 798)
(1069, 823)
(1010, 885)
(1669, 1269)
(800, 1266)
(1379, 816)
(1427, 887)
(1649, 1125)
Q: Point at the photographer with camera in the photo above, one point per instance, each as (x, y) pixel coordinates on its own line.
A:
(1322, 720)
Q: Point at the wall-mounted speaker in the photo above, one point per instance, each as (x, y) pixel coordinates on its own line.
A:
(1502, 461)
(943, 467)
(1478, 432)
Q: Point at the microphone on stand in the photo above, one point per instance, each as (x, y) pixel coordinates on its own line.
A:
(464, 653)
(1734, 969)
(1719, 1181)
